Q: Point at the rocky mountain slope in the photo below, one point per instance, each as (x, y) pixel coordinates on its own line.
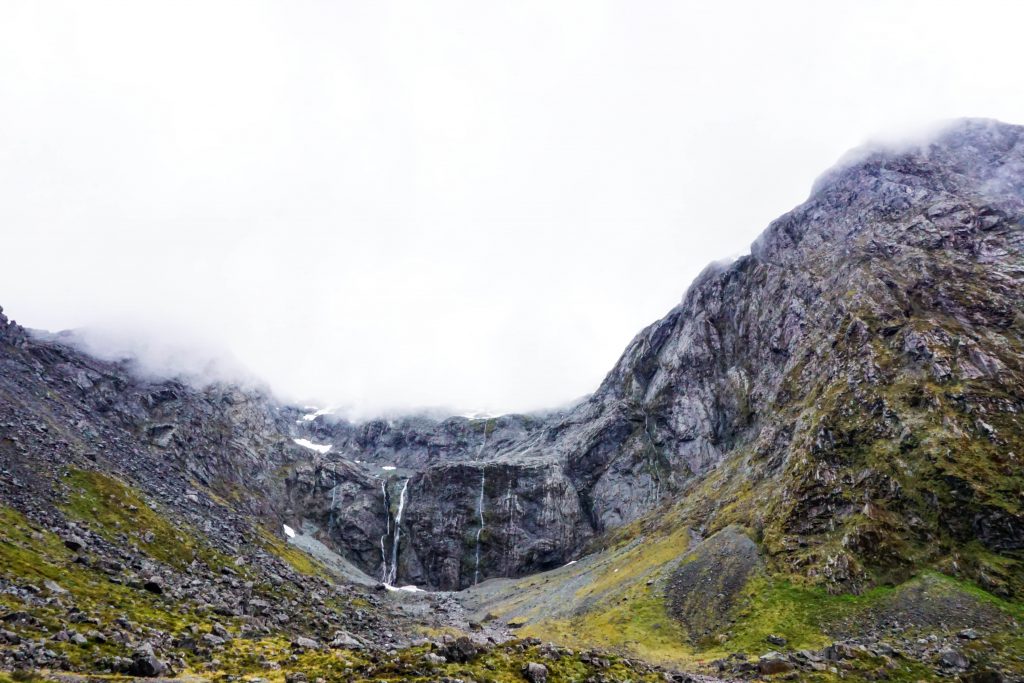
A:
(816, 451)
(861, 369)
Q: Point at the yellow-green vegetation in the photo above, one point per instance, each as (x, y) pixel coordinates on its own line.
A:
(30, 556)
(613, 599)
(616, 599)
(299, 561)
(118, 513)
(636, 624)
(21, 676)
(624, 603)
(800, 614)
(500, 664)
(244, 657)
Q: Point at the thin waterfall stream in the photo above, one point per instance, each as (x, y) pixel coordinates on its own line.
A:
(392, 574)
(480, 507)
(387, 530)
(480, 529)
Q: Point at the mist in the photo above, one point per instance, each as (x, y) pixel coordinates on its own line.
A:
(471, 205)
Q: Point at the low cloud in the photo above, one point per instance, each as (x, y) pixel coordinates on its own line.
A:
(470, 206)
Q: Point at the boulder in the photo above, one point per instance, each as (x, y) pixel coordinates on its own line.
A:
(774, 663)
(304, 643)
(535, 673)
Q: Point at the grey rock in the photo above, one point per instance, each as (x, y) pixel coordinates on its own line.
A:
(73, 542)
(145, 663)
(460, 650)
(304, 643)
(774, 663)
(535, 673)
(212, 640)
(953, 658)
(345, 640)
(710, 580)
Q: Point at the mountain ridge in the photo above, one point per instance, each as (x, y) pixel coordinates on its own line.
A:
(839, 410)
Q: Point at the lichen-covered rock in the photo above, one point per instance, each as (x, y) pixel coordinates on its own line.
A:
(850, 392)
(710, 579)
(535, 673)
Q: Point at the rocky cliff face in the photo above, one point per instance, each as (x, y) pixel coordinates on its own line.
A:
(865, 359)
(860, 369)
(840, 409)
(853, 384)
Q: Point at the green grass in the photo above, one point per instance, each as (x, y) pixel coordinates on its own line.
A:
(31, 556)
(118, 512)
(300, 561)
(800, 614)
(502, 664)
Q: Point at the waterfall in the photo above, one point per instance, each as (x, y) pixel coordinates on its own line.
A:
(389, 572)
(387, 532)
(511, 549)
(392, 574)
(480, 506)
(480, 514)
(334, 501)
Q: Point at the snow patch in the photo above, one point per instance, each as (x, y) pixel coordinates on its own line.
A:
(480, 415)
(317, 412)
(404, 589)
(387, 467)
(319, 448)
(289, 532)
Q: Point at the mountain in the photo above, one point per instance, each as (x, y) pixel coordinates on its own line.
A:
(816, 452)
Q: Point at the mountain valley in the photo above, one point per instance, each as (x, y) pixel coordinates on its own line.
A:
(809, 469)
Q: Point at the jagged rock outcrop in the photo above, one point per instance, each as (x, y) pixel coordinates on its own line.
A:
(345, 507)
(863, 363)
(865, 359)
(704, 591)
(531, 517)
(841, 407)
(849, 391)
(417, 443)
(129, 503)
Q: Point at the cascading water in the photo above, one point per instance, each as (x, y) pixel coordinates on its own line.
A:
(334, 501)
(392, 572)
(480, 507)
(511, 550)
(387, 527)
(480, 529)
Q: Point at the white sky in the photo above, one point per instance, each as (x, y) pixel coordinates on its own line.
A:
(472, 204)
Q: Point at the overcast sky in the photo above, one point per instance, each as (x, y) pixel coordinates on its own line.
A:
(474, 205)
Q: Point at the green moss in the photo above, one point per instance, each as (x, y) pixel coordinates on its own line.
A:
(620, 600)
(502, 664)
(776, 606)
(30, 555)
(297, 559)
(118, 513)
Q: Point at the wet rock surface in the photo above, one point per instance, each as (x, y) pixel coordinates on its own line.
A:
(841, 406)
(878, 323)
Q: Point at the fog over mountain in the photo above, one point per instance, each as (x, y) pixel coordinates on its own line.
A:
(444, 204)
